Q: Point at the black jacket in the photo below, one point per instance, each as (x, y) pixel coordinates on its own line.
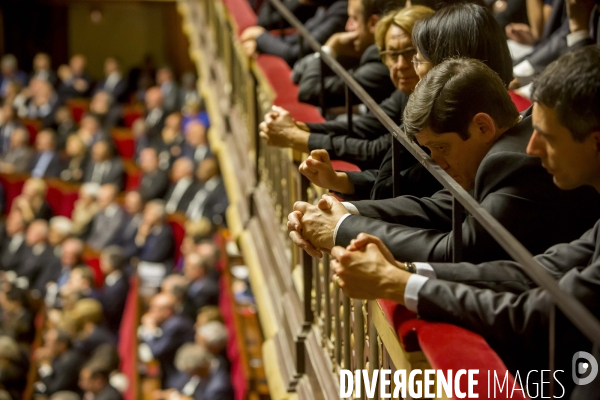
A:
(269, 18)
(108, 393)
(65, 373)
(114, 173)
(516, 325)
(371, 74)
(321, 26)
(511, 185)
(154, 185)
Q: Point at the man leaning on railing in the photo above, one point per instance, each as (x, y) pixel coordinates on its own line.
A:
(566, 120)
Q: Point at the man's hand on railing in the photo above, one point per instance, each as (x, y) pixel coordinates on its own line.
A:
(248, 38)
(367, 272)
(281, 130)
(318, 169)
(315, 225)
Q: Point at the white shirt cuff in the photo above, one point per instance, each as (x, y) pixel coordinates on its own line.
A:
(337, 226)
(351, 208)
(576, 37)
(524, 69)
(45, 370)
(145, 353)
(411, 292)
(425, 269)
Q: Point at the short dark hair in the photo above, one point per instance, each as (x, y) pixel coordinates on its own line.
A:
(378, 7)
(464, 30)
(571, 85)
(452, 93)
(98, 370)
(114, 256)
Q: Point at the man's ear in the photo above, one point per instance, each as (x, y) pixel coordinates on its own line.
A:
(485, 126)
(372, 21)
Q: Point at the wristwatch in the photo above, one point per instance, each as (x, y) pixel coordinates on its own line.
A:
(410, 267)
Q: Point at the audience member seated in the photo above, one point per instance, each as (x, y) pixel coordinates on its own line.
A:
(31, 203)
(90, 130)
(169, 88)
(195, 146)
(65, 125)
(82, 280)
(16, 319)
(18, 156)
(183, 188)
(46, 163)
(113, 295)
(134, 206)
(202, 290)
(171, 141)
(155, 181)
(77, 160)
(177, 285)
(104, 167)
(57, 277)
(210, 200)
(113, 83)
(42, 69)
(270, 18)
(75, 82)
(91, 333)
(213, 336)
(37, 258)
(161, 333)
(94, 381)
(85, 209)
(154, 118)
(108, 220)
(9, 69)
(13, 246)
(189, 90)
(103, 107)
(8, 123)
(58, 363)
(357, 41)
(39, 101)
(331, 18)
(13, 367)
(60, 229)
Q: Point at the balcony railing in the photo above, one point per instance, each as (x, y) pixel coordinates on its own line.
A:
(312, 329)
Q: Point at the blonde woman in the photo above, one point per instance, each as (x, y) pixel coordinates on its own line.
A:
(32, 200)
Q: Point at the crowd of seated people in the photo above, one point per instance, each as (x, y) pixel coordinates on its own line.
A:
(457, 72)
(72, 270)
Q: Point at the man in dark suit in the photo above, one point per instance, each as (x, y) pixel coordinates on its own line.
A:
(113, 82)
(183, 188)
(202, 289)
(154, 237)
(195, 146)
(37, 256)
(210, 200)
(13, 246)
(75, 82)
(9, 72)
(484, 150)
(46, 163)
(18, 155)
(58, 364)
(42, 69)
(116, 287)
(566, 117)
(104, 167)
(108, 221)
(169, 88)
(94, 381)
(154, 119)
(133, 205)
(358, 40)
(9, 124)
(155, 181)
(207, 379)
(162, 332)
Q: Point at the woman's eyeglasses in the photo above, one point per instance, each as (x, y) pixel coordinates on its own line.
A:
(408, 54)
(416, 62)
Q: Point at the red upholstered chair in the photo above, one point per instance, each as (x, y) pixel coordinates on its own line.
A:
(242, 13)
(134, 175)
(13, 185)
(54, 195)
(69, 198)
(78, 107)
(521, 102)
(128, 342)
(177, 222)
(92, 259)
(33, 126)
(124, 141)
(61, 196)
(278, 73)
(131, 113)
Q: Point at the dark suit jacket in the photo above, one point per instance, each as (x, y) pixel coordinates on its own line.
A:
(19, 158)
(32, 266)
(65, 374)
(126, 236)
(115, 174)
(176, 331)
(371, 74)
(108, 393)
(321, 26)
(421, 229)
(516, 325)
(269, 18)
(117, 92)
(10, 261)
(68, 91)
(154, 185)
(54, 166)
(113, 299)
(100, 335)
(204, 292)
(186, 198)
(105, 228)
(158, 247)
(215, 205)
(216, 386)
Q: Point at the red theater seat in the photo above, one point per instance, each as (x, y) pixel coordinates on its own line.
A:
(278, 73)
(92, 260)
(242, 13)
(33, 126)
(13, 185)
(177, 222)
(78, 107)
(131, 113)
(133, 175)
(124, 141)
(61, 196)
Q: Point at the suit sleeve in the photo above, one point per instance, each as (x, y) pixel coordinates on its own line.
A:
(365, 153)
(64, 379)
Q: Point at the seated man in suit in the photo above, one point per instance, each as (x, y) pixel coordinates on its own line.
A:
(84, 210)
(113, 295)
(134, 207)
(195, 146)
(46, 163)
(94, 381)
(154, 237)
(202, 290)
(210, 200)
(16, 320)
(75, 82)
(214, 337)
(13, 247)
(59, 230)
(108, 221)
(104, 108)
(42, 68)
(104, 166)
(58, 363)
(113, 82)
(183, 188)
(161, 333)
(566, 116)
(17, 157)
(38, 256)
(155, 181)
(154, 119)
(169, 89)
(476, 135)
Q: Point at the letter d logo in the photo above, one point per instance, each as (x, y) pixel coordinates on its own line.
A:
(583, 367)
